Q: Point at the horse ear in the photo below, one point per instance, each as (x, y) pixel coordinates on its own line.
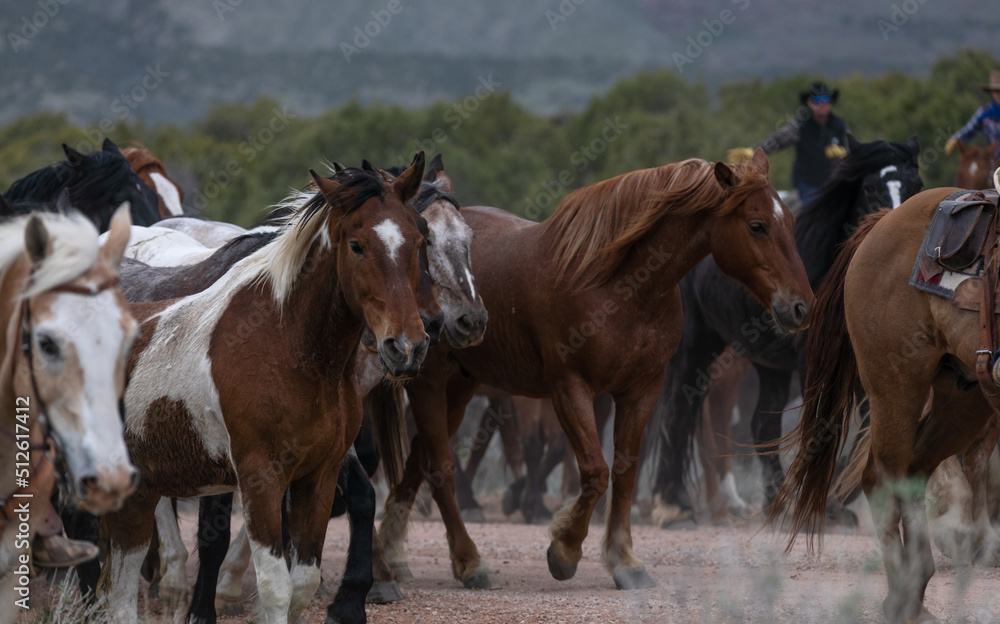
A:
(367, 166)
(852, 142)
(72, 156)
(109, 146)
(337, 167)
(6, 210)
(435, 167)
(725, 176)
(119, 232)
(760, 159)
(63, 203)
(328, 187)
(913, 144)
(407, 185)
(36, 239)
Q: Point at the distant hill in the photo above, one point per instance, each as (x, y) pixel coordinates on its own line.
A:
(176, 59)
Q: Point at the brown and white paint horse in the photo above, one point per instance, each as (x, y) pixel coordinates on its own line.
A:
(249, 384)
(66, 334)
(152, 172)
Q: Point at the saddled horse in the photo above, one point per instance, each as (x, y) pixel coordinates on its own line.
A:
(900, 343)
(66, 335)
(170, 195)
(719, 313)
(98, 183)
(211, 407)
(976, 165)
(587, 302)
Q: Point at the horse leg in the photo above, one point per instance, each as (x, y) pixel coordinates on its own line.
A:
(310, 498)
(392, 531)
(724, 397)
(214, 515)
(976, 462)
(707, 452)
(349, 603)
(128, 531)
(632, 413)
(229, 589)
(467, 503)
(775, 386)
(574, 406)
(263, 495)
(173, 555)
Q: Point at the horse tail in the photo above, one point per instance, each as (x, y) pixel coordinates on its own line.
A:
(850, 478)
(388, 415)
(828, 398)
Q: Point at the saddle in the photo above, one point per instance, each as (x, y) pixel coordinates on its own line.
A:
(957, 233)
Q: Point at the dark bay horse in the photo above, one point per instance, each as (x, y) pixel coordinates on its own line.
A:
(587, 302)
(211, 407)
(901, 344)
(976, 166)
(98, 183)
(719, 313)
(170, 195)
(66, 334)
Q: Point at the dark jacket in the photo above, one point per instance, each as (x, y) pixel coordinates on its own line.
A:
(810, 139)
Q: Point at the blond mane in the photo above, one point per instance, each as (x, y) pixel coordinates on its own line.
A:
(594, 227)
(74, 246)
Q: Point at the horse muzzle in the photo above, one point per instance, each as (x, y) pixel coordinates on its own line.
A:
(791, 314)
(400, 358)
(468, 329)
(107, 489)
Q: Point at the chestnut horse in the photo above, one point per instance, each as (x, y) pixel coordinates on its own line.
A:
(587, 302)
(66, 334)
(900, 343)
(215, 403)
(151, 171)
(976, 165)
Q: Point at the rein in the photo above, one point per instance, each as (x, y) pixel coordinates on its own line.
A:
(987, 361)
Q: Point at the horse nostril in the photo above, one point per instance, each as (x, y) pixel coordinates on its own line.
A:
(133, 480)
(799, 312)
(87, 484)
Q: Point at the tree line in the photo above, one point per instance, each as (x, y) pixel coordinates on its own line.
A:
(241, 158)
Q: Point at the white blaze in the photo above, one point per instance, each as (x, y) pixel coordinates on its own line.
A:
(894, 186)
(168, 191)
(389, 233)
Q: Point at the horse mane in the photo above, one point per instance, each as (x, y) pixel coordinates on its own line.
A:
(280, 263)
(820, 225)
(593, 228)
(74, 246)
(139, 158)
(93, 182)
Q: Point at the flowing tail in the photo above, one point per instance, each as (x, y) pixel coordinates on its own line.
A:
(386, 407)
(831, 380)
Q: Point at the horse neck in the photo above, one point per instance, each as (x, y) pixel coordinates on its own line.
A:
(317, 318)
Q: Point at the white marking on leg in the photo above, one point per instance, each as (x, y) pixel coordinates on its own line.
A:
(305, 581)
(391, 236)
(729, 492)
(894, 186)
(274, 584)
(123, 599)
(168, 191)
(234, 567)
(173, 553)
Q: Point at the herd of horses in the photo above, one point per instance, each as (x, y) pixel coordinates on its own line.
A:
(181, 357)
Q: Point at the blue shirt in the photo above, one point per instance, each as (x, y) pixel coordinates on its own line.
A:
(985, 120)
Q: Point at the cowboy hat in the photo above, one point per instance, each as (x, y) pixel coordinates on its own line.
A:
(994, 82)
(819, 88)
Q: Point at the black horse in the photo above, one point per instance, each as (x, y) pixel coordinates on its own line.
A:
(98, 183)
(719, 313)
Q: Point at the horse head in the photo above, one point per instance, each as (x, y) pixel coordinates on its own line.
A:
(752, 241)
(896, 181)
(105, 178)
(73, 341)
(377, 239)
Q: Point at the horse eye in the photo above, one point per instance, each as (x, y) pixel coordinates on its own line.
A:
(757, 228)
(357, 248)
(49, 347)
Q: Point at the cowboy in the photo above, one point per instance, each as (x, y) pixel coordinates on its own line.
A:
(985, 120)
(819, 137)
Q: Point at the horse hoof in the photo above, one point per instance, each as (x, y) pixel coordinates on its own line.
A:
(560, 571)
(227, 605)
(384, 592)
(402, 573)
(473, 515)
(511, 500)
(485, 579)
(633, 578)
(665, 515)
(172, 596)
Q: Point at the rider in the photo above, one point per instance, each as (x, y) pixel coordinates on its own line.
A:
(985, 120)
(819, 137)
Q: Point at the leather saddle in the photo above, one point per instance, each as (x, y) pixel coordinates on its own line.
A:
(957, 232)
